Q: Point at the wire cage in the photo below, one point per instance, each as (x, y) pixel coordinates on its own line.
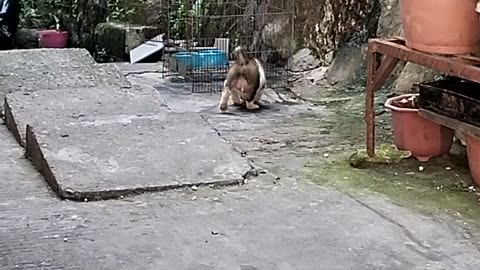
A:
(202, 34)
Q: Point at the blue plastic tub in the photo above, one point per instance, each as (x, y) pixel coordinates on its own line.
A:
(189, 59)
(213, 58)
(202, 59)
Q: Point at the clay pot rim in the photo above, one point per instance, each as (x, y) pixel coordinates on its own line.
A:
(470, 135)
(390, 106)
(52, 32)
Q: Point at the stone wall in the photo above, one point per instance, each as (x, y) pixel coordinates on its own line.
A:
(342, 31)
(325, 25)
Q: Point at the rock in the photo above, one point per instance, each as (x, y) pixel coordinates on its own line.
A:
(460, 137)
(410, 75)
(325, 25)
(309, 85)
(110, 40)
(303, 60)
(26, 38)
(349, 63)
(115, 39)
(349, 66)
(278, 35)
(389, 23)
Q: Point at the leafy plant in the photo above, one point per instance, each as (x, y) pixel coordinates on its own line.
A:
(120, 10)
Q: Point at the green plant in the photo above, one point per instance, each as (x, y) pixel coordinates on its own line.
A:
(45, 13)
(120, 10)
(58, 13)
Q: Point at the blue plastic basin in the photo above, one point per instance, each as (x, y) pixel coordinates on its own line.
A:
(202, 59)
(189, 59)
(213, 58)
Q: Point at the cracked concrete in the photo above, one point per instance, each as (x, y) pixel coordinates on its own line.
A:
(270, 223)
(278, 220)
(103, 143)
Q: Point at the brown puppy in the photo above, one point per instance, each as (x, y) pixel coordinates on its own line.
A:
(245, 81)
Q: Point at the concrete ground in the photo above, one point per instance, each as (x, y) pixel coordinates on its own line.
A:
(289, 217)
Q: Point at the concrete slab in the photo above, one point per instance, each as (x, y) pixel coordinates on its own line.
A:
(266, 227)
(272, 222)
(60, 77)
(57, 107)
(43, 59)
(101, 143)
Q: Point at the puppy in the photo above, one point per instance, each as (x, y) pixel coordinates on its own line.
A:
(245, 82)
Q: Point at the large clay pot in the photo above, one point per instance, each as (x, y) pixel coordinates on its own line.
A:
(441, 26)
(53, 39)
(473, 153)
(424, 138)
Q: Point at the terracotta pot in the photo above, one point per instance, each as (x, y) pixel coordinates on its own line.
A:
(473, 153)
(424, 138)
(53, 39)
(441, 26)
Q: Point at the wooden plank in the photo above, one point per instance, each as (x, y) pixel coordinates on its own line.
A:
(450, 122)
(384, 71)
(442, 64)
(468, 59)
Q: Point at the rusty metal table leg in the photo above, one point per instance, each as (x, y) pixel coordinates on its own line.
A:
(372, 65)
(377, 73)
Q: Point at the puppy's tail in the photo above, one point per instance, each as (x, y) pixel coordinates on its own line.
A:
(241, 57)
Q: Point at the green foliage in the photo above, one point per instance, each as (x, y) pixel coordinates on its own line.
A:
(121, 10)
(43, 14)
(182, 13)
(176, 20)
(59, 13)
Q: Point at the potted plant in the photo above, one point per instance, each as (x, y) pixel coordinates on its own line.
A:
(423, 138)
(54, 38)
(441, 26)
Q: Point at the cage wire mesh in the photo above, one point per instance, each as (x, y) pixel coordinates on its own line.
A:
(200, 36)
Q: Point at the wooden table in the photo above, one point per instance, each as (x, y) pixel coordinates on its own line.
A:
(382, 57)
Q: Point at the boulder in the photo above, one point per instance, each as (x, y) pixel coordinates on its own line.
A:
(348, 66)
(325, 25)
(389, 23)
(26, 38)
(309, 85)
(114, 40)
(278, 35)
(410, 75)
(303, 60)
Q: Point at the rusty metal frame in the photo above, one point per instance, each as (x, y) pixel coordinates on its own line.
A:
(382, 57)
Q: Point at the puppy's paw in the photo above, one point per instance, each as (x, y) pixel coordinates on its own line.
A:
(252, 106)
(223, 107)
(236, 103)
(239, 103)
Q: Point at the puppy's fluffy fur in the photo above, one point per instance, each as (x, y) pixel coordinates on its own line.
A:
(245, 82)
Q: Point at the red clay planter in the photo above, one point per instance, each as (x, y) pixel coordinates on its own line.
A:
(424, 138)
(473, 153)
(53, 39)
(441, 26)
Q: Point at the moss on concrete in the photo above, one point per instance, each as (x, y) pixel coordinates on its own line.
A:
(440, 186)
